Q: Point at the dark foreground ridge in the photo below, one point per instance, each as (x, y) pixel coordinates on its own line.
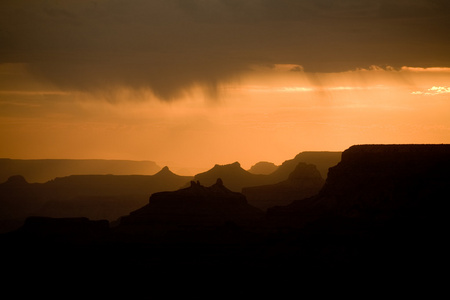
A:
(381, 209)
(377, 182)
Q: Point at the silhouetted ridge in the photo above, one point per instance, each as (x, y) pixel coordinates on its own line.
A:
(236, 166)
(402, 154)
(304, 171)
(165, 169)
(234, 175)
(16, 180)
(263, 167)
(165, 172)
(323, 160)
(305, 181)
(382, 210)
(380, 182)
(196, 205)
(42, 170)
(237, 178)
(93, 196)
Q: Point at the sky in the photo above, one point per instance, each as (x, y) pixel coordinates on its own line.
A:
(194, 83)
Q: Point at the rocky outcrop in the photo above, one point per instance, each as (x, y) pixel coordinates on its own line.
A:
(197, 206)
(378, 182)
(382, 206)
(305, 181)
(234, 175)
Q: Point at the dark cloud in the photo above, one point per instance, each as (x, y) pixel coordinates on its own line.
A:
(169, 45)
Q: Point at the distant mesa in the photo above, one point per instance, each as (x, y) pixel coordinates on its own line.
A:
(233, 166)
(43, 170)
(263, 167)
(16, 180)
(93, 196)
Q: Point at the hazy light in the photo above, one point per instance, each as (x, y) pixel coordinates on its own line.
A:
(270, 113)
(433, 91)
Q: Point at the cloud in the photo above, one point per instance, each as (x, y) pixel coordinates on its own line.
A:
(169, 46)
(433, 91)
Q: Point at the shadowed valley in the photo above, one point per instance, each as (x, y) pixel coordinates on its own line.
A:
(96, 197)
(380, 206)
(111, 196)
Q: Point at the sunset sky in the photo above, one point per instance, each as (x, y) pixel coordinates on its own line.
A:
(193, 83)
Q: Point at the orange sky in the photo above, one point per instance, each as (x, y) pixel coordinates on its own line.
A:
(267, 113)
(194, 83)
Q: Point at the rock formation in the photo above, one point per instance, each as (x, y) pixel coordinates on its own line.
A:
(323, 160)
(381, 211)
(378, 182)
(234, 175)
(305, 181)
(197, 206)
(93, 196)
